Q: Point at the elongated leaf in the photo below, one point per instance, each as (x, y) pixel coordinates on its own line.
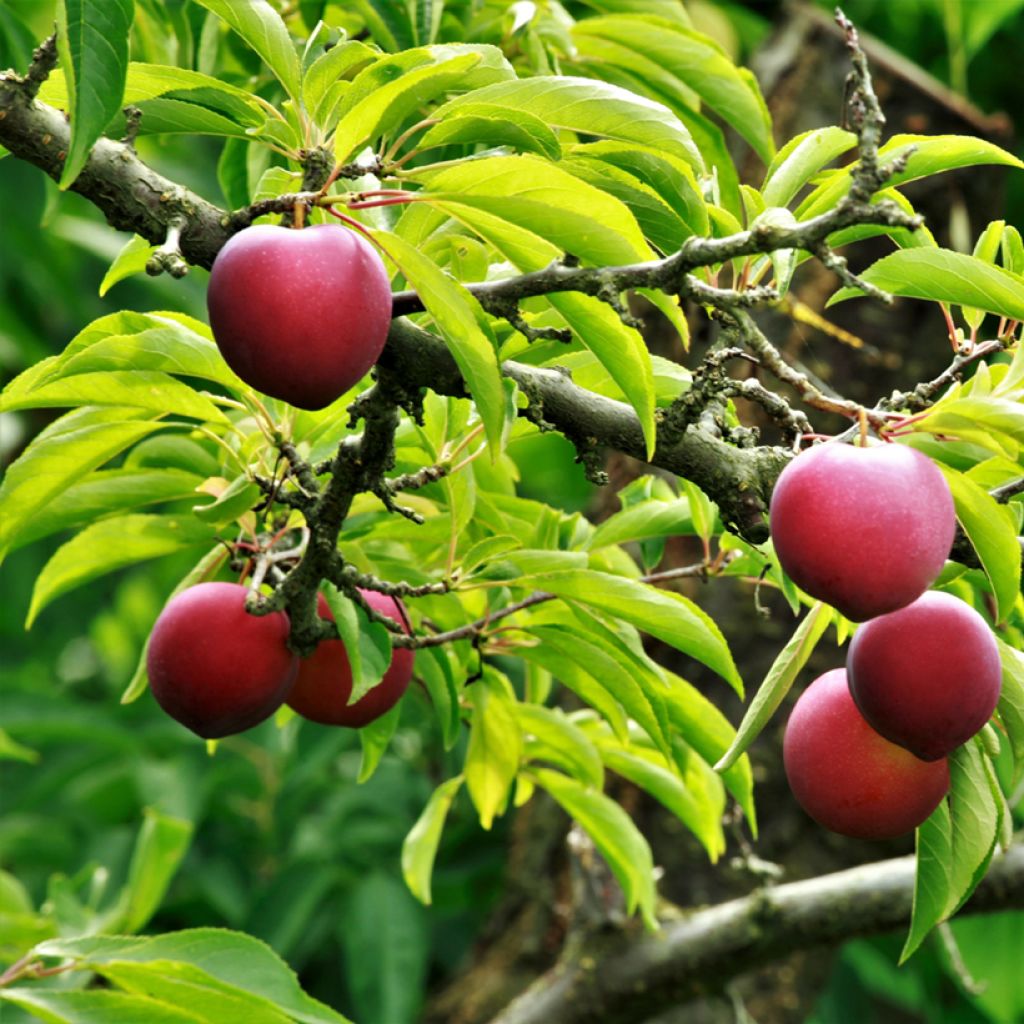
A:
(392, 101)
(240, 963)
(139, 389)
(261, 27)
(800, 159)
(931, 155)
(1011, 704)
(599, 662)
(132, 259)
(570, 673)
(109, 545)
(944, 276)
(92, 44)
(434, 667)
(323, 84)
(668, 616)
(420, 846)
(974, 820)
(992, 531)
(159, 849)
(704, 728)
(495, 746)
(494, 125)
(367, 644)
(61, 454)
(374, 739)
(617, 839)
(777, 682)
(97, 1007)
(593, 108)
(932, 880)
(693, 58)
(106, 492)
(462, 324)
(668, 789)
(555, 730)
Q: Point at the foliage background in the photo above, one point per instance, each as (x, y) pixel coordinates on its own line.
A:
(285, 846)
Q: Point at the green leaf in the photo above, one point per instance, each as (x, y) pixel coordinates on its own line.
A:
(324, 85)
(106, 492)
(563, 666)
(384, 937)
(132, 259)
(204, 569)
(974, 820)
(433, 665)
(64, 452)
(367, 643)
(670, 177)
(777, 682)
(139, 389)
(461, 322)
(611, 674)
(578, 756)
(1011, 704)
(931, 155)
(645, 771)
(942, 275)
(374, 738)
(495, 746)
(97, 1007)
(109, 545)
(92, 45)
(494, 125)
(262, 28)
(386, 93)
(159, 849)
(668, 616)
(420, 847)
(239, 497)
(932, 879)
(801, 159)
(617, 839)
(590, 108)
(243, 967)
(994, 423)
(700, 722)
(653, 47)
(992, 531)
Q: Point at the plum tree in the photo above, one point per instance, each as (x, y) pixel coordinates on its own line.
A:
(214, 667)
(927, 676)
(324, 682)
(848, 777)
(299, 315)
(865, 529)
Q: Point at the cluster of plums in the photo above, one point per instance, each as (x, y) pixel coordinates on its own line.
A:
(868, 529)
(300, 315)
(219, 670)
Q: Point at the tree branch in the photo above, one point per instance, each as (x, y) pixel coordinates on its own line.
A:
(620, 976)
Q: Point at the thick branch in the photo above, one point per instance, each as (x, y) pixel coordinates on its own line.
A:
(622, 977)
(738, 479)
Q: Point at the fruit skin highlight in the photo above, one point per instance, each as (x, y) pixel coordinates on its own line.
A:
(927, 676)
(867, 530)
(301, 315)
(214, 667)
(324, 682)
(846, 776)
